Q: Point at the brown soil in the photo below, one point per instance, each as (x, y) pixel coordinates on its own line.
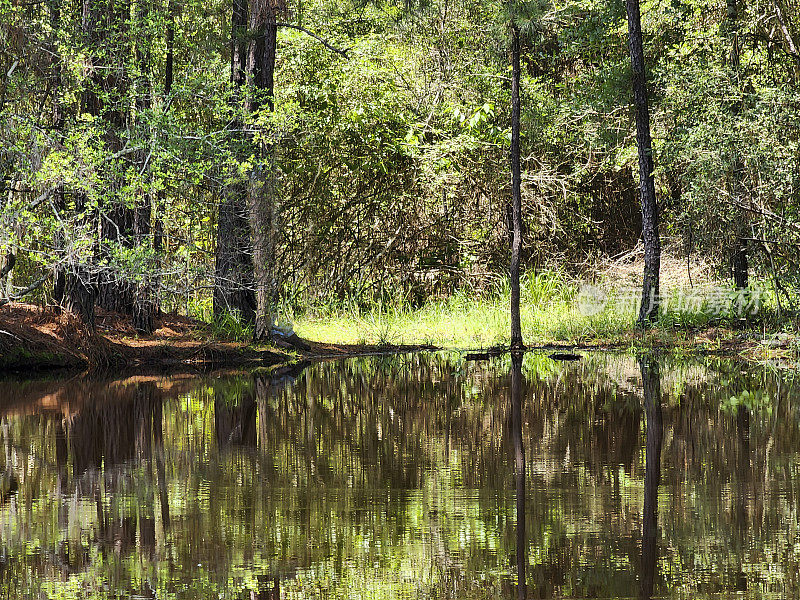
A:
(36, 338)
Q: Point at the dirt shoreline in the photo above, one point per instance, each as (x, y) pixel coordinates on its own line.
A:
(39, 339)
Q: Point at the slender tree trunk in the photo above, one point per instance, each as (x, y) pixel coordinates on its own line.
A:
(233, 284)
(739, 260)
(648, 311)
(143, 308)
(516, 195)
(651, 379)
(519, 470)
(160, 203)
(261, 187)
(59, 275)
(170, 59)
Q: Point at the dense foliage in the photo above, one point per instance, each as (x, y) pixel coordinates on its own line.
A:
(122, 133)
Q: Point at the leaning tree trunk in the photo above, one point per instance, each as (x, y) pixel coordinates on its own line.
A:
(516, 195)
(648, 311)
(261, 186)
(233, 288)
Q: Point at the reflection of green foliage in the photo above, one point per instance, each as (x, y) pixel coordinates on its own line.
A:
(753, 401)
(393, 477)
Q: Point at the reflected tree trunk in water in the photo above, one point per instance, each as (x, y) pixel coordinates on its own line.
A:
(235, 423)
(148, 408)
(519, 469)
(651, 379)
(161, 478)
(743, 479)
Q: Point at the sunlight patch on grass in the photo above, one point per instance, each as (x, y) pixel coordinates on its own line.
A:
(549, 313)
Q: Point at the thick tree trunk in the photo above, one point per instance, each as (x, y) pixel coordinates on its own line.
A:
(516, 194)
(519, 470)
(160, 201)
(79, 295)
(144, 306)
(648, 311)
(262, 219)
(79, 280)
(651, 379)
(116, 290)
(233, 283)
(170, 59)
(261, 188)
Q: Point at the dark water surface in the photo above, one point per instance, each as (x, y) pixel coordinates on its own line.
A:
(418, 476)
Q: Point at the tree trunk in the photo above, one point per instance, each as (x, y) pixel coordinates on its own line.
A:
(116, 289)
(233, 287)
(516, 195)
(739, 259)
(170, 59)
(59, 241)
(261, 187)
(79, 280)
(160, 201)
(79, 295)
(648, 311)
(651, 380)
(143, 308)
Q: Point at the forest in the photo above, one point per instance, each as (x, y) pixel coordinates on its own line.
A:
(251, 163)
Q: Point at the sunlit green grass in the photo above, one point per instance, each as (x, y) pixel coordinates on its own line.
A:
(549, 312)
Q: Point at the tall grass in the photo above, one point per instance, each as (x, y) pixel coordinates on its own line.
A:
(465, 320)
(551, 312)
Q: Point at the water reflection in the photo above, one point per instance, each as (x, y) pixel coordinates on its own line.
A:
(406, 477)
(519, 470)
(651, 384)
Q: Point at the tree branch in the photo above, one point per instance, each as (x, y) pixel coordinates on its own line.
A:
(321, 40)
(32, 287)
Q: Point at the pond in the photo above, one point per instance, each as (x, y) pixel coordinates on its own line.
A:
(412, 476)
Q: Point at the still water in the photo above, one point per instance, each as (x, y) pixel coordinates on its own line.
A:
(414, 476)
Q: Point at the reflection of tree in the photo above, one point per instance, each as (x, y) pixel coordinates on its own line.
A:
(519, 470)
(651, 380)
(393, 476)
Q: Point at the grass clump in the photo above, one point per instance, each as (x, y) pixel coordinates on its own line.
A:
(229, 326)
